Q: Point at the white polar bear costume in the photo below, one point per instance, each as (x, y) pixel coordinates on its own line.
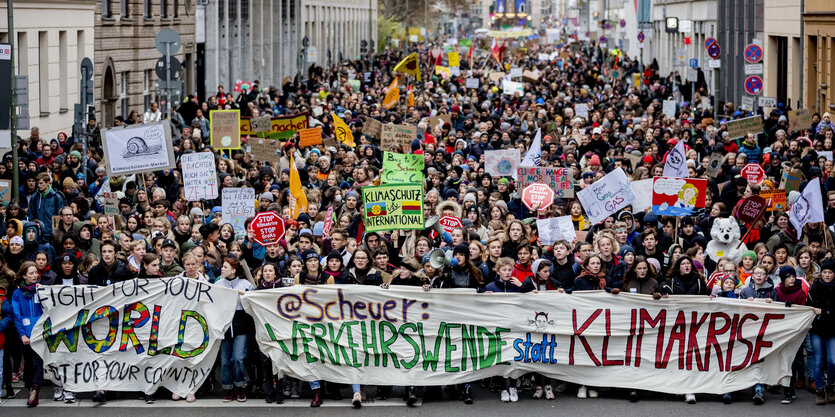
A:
(725, 237)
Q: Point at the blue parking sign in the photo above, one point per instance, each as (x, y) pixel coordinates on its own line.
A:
(694, 63)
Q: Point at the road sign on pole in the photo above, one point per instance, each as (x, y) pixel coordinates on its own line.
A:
(753, 54)
(709, 41)
(641, 36)
(714, 50)
(754, 85)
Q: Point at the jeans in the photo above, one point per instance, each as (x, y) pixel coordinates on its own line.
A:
(232, 369)
(32, 368)
(810, 357)
(824, 348)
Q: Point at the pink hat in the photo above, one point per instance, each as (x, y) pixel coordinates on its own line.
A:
(595, 160)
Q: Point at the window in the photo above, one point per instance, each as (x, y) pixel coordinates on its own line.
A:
(125, 8)
(233, 9)
(106, 11)
(123, 94)
(22, 53)
(244, 9)
(163, 9)
(149, 14)
(176, 8)
(43, 72)
(63, 85)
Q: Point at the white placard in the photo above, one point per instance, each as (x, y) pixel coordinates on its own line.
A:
(714, 63)
(747, 103)
(238, 205)
(754, 69)
(516, 72)
(669, 109)
(511, 87)
(554, 229)
(643, 195)
(582, 110)
(455, 71)
(606, 196)
(199, 176)
(472, 83)
(144, 148)
(502, 163)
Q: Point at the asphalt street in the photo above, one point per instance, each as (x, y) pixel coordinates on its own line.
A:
(610, 403)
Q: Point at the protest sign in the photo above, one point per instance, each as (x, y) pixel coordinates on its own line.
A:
(5, 191)
(714, 164)
(741, 127)
(437, 122)
(267, 228)
(530, 77)
(225, 128)
(751, 209)
(238, 205)
(393, 207)
(453, 59)
(402, 168)
(199, 176)
(675, 164)
(537, 196)
(776, 199)
(310, 137)
(753, 173)
(512, 87)
(808, 208)
(634, 160)
(139, 148)
(171, 329)
(669, 109)
(516, 72)
(677, 196)
(261, 124)
(643, 194)
(282, 127)
(496, 76)
(587, 338)
(265, 150)
(372, 127)
(503, 163)
(395, 136)
(582, 110)
(825, 154)
(472, 83)
(554, 229)
(448, 223)
(111, 202)
(606, 196)
(799, 120)
(561, 180)
(791, 178)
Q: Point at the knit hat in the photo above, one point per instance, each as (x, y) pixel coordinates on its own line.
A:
(310, 254)
(501, 204)
(76, 154)
(504, 181)
(647, 160)
(730, 277)
(195, 211)
(786, 271)
(463, 249)
(750, 254)
(16, 240)
(68, 183)
(594, 160)
(352, 193)
(334, 255)
(828, 264)
(318, 228)
(470, 197)
(267, 196)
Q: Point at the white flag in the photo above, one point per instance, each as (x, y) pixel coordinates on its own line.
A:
(808, 208)
(534, 155)
(676, 164)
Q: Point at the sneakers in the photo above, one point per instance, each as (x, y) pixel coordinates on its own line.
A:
(582, 392)
(411, 398)
(759, 395)
(99, 397)
(466, 395)
(58, 394)
(294, 390)
(69, 397)
(727, 398)
(357, 400)
(149, 399)
(240, 395)
(690, 398)
(317, 398)
(820, 397)
(538, 392)
(229, 396)
(592, 393)
(505, 396)
(33, 397)
(633, 396)
(15, 378)
(561, 387)
(190, 398)
(514, 396)
(787, 399)
(549, 392)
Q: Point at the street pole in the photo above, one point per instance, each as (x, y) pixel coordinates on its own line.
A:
(83, 130)
(13, 107)
(299, 38)
(168, 80)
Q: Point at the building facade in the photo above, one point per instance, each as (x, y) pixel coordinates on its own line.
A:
(819, 55)
(782, 51)
(51, 39)
(126, 55)
(264, 40)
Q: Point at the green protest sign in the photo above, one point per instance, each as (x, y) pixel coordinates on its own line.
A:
(465, 42)
(402, 168)
(393, 207)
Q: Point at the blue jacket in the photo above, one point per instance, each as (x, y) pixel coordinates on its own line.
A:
(43, 207)
(26, 311)
(6, 316)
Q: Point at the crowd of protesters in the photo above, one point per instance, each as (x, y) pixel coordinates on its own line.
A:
(55, 234)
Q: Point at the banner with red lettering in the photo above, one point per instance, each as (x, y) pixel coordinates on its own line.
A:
(405, 336)
(135, 335)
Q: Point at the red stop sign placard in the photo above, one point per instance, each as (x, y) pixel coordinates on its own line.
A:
(539, 195)
(753, 173)
(449, 223)
(267, 228)
(751, 209)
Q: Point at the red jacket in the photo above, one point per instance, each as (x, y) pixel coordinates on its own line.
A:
(522, 272)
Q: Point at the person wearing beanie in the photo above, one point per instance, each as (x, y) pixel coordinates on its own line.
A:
(822, 334)
(790, 291)
(746, 266)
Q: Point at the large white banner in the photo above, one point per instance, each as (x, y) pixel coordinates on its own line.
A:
(606, 196)
(140, 148)
(405, 336)
(135, 335)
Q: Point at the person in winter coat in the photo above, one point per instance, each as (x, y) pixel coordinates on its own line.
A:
(542, 280)
(507, 282)
(273, 383)
(233, 347)
(87, 244)
(641, 278)
(592, 277)
(565, 268)
(6, 320)
(684, 279)
(14, 227)
(522, 269)
(625, 259)
(110, 270)
(822, 335)
(791, 292)
(759, 287)
(45, 203)
(34, 242)
(26, 314)
(66, 270)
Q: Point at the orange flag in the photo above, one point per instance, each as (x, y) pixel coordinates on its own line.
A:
(410, 100)
(393, 95)
(298, 199)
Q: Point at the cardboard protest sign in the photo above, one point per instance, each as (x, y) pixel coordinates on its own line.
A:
(265, 150)
(394, 137)
(5, 191)
(261, 124)
(799, 120)
(238, 205)
(634, 160)
(714, 165)
(402, 168)
(372, 127)
(393, 207)
(561, 180)
(606, 196)
(496, 76)
(751, 209)
(139, 148)
(677, 196)
(433, 338)
(554, 229)
(310, 137)
(791, 178)
(775, 199)
(136, 335)
(282, 127)
(742, 127)
(111, 203)
(437, 122)
(530, 77)
(503, 163)
(225, 128)
(582, 110)
(199, 176)
(643, 194)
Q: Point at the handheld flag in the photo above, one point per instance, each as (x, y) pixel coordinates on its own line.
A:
(676, 164)
(409, 65)
(534, 154)
(808, 208)
(497, 51)
(298, 199)
(410, 99)
(393, 95)
(343, 132)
